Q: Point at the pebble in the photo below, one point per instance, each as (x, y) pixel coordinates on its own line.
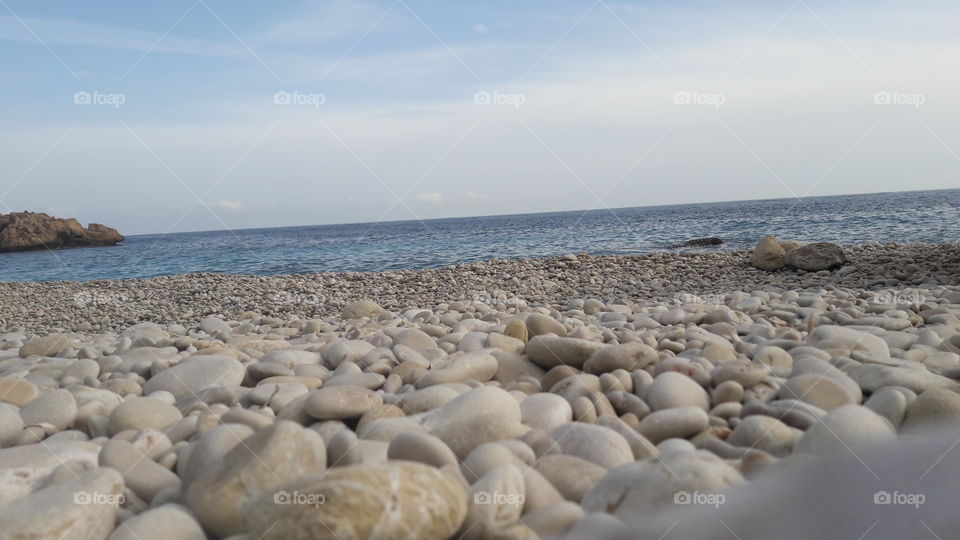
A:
(341, 402)
(160, 523)
(539, 324)
(627, 356)
(80, 508)
(283, 452)
(672, 390)
(551, 351)
(195, 374)
(679, 422)
(818, 390)
(545, 411)
(847, 427)
(141, 474)
(478, 366)
(143, 412)
(18, 392)
(933, 408)
(361, 309)
(572, 476)
(643, 488)
(481, 415)
(398, 499)
(10, 424)
(422, 447)
(596, 444)
(765, 433)
(57, 408)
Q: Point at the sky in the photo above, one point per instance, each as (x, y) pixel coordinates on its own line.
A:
(184, 115)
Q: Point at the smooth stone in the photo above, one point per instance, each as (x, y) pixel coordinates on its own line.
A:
(627, 356)
(56, 407)
(840, 341)
(743, 372)
(779, 360)
(641, 447)
(572, 476)
(281, 453)
(554, 520)
(647, 487)
(160, 523)
(847, 427)
(816, 256)
(487, 457)
(768, 254)
(19, 392)
(481, 415)
(764, 433)
(209, 450)
(889, 403)
(680, 422)
(873, 377)
(346, 351)
(23, 469)
(517, 329)
(50, 345)
(290, 358)
(10, 424)
(194, 374)
(475, 366)
(539, 324)
(360, 309)
(415, 339)
(496, 500)
(141, 474)
(933, 408)
(143, 412)
(422, 447)
(54, 512)
(397, 499)
(341, 402)
(597, 525)
(671, 390)
(545, 411)
(816, 389)
(596, 444)
(215, 325)
(550, 351)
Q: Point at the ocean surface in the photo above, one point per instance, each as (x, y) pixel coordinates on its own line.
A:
(920, 216)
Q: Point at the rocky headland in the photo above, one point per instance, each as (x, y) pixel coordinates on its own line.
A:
(569, 397)
(25, 231)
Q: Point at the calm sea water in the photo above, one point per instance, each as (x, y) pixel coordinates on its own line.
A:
(924, 216)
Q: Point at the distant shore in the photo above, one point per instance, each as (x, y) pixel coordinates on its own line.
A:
(658, 277)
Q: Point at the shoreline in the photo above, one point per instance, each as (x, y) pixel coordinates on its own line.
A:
(643, 279)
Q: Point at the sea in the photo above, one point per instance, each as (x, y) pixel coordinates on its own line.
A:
(917, 216)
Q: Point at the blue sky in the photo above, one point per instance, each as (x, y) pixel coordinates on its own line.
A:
(197, 115)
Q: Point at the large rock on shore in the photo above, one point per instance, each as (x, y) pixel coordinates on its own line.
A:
(816, 256)
(23, 231)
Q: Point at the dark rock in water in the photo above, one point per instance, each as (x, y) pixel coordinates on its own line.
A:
(25, 231)
(700, 242)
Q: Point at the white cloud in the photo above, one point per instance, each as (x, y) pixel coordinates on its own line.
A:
(229, 205)
(430, 197)
(481, 28)
(477, 196)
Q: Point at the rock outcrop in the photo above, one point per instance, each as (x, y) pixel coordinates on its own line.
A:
(771, 254)
(24, 231)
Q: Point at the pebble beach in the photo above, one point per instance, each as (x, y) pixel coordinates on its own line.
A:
(665, 395)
